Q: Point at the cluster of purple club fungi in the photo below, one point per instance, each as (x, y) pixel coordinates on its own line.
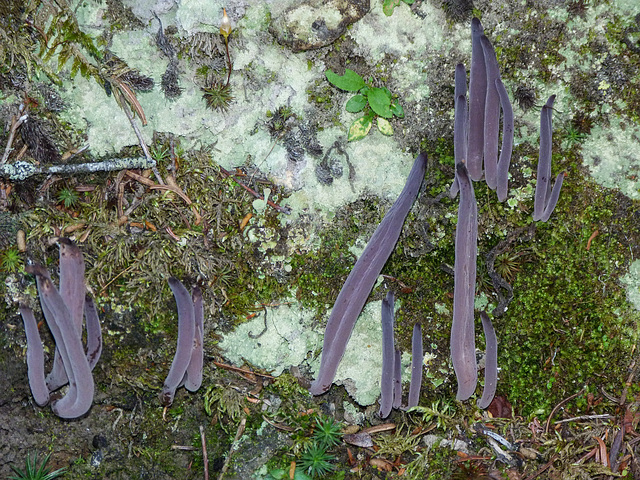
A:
(476, 139)
(476, 135)
(63, 311)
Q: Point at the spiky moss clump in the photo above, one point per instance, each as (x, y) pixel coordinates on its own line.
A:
(316, 461)
(36, 471)
(218, 96)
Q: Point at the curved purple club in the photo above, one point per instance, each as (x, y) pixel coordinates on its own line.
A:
(466, 250)
(186, 368)
(490, 362)
(360, 281)
(545, 198)
(63, 311)
(388, 356)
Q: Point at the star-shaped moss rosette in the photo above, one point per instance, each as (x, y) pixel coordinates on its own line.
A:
(376, 103)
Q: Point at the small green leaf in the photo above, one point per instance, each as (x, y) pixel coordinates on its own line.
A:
(397, 110)
(279, 473)
(300, 475)
(384, 127)
(356, 104)
(350, 81)
(388, 6)
(360, 128)
(380, 101)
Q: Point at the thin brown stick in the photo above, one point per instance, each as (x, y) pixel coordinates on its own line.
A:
(241, 370)
(542, 468)
(602, 416)
(254, 193)
(279, 426)
(205, 459)
(634, 371)
(15, 123)
(175, 189)
(232, 450)
(379, 428)
(557, 407)
(143, 145)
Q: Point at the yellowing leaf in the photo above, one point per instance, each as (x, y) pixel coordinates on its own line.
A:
(384, 126)
(360, 128)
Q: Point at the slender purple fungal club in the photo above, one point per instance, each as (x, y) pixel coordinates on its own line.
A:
(360, 281)
(79, 397)
(72, 291)
(35, 357)
(477, 99)
(504, 161)
(491, 115)
(490, 362)
(63, 311)
(397, 379)
(417, 357)
(186, 368)
(194, 370)
(461, 117)
(545, 198)
(388, 356)
(466, 249)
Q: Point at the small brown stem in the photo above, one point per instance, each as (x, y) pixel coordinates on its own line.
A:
(232, 450)
(254, 193)
(143, 145)
(557, 407)
(15, 124)
(205, 459)
(226, 44)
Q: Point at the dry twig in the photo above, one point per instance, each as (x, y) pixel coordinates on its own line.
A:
(205, 458)
(232, 450)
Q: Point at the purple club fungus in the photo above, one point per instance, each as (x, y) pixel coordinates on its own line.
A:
(35, 358)
(72, 291)
(186, 368)
(79, 397)
(476, 128)
(63, 311)
(397, 379)
(459, 122)
(194, 370)
(356, 289)
(417, 357)
(502, 178)
(477, 99)
(490, 362)
(94, 334)
(388, 356)
(491, 114)
(545, 198)
(466, 250)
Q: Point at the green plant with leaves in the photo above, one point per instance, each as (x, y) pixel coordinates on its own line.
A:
(34, 472)
(376, 103)
(316, 461)
(68, 197)
(441, 414)
(159, 153)
(328, 432)
(10, 260)
(389, 5)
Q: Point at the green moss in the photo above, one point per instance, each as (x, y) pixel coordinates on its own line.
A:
(569, 324)
(321, 273)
